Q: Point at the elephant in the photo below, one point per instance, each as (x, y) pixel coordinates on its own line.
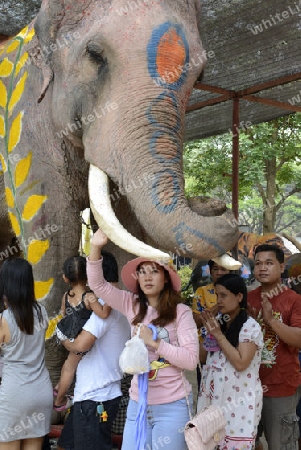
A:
(92, 106)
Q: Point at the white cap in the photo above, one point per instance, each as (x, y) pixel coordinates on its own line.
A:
(227, 262)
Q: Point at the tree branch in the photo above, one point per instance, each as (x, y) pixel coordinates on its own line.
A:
(261, 192)
(285, 197)
(279, 229)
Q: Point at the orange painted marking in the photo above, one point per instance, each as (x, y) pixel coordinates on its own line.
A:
(165, 149)
(167, 192)
(171, 56)
(166, 198)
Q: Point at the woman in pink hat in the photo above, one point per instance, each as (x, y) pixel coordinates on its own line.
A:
(154, 299)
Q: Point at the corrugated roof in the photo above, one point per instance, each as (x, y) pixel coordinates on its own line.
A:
(250, 42)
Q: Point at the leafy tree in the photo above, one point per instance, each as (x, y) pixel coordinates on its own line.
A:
(185, 272)
(269, 171)
(288, 216)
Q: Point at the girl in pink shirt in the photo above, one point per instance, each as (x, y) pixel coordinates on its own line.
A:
(154, 299)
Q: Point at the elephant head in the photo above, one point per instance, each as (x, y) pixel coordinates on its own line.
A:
(121, 75)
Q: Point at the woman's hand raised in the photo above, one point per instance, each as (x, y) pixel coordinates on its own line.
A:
(99, 238)
(211, 324)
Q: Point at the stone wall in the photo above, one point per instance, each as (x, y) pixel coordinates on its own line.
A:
(15, 14)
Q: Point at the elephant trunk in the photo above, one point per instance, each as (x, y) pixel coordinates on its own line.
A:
(165, 216)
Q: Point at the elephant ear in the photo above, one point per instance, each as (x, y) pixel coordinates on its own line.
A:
(37, 59)
(53, 16)
(46, 26)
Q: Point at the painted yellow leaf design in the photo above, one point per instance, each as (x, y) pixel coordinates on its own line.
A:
(42, 288)
(3, 95)
(15, 132)
(15, 223)
(28, 187)
(9, 198)
(17, 93)
(52, 326)
(6, 68)
(29, 37)
(23, 32)
(13, 46)
(32, 206)
(36, 250)
(2, 126)
(3, 164)
(22, 170)
(21, 63)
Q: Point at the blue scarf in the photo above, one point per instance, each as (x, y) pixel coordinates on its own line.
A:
(140, 432)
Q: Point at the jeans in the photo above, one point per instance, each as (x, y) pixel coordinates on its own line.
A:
(165, 425)
(84, 431)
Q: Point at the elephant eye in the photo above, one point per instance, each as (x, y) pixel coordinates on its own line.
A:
(95, 54)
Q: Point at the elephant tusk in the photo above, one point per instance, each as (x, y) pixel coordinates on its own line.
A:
(106, 219)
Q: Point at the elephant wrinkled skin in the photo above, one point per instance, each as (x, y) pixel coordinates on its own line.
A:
(102, 86)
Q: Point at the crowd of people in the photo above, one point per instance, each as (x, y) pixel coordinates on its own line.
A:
(271, 381)
(246, 345)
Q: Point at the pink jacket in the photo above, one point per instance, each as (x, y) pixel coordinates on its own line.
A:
(179, 344)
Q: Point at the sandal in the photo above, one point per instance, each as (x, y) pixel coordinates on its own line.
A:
(67, 405)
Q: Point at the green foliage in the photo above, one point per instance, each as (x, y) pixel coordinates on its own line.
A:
(187, 293)
(205, 164)
(269, 162)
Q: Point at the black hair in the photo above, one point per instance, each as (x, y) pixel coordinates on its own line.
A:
(235, 284)
(17, 290)
(110, 267)
(279, 253)
(74, 269)
(295, 287)
(210, 264)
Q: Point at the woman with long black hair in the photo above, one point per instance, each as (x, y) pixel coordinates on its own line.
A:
(25, 391)
(230, 377)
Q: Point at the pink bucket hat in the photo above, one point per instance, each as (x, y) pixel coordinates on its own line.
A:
(129, 275)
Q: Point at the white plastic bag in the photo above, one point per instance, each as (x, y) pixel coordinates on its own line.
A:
(134, 357)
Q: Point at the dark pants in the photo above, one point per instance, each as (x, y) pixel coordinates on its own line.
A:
(280, 423)
(83, 429)
(46, 443)
(198, 376)
(298, 411)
